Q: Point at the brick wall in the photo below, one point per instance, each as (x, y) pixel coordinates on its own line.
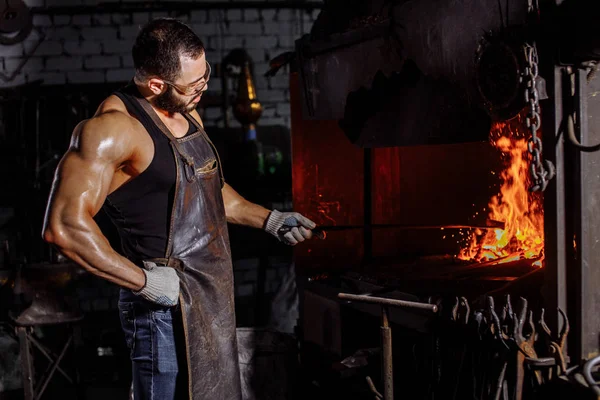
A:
(95, 48)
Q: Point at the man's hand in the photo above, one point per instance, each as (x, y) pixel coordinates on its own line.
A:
(162, 285)
(289, 227)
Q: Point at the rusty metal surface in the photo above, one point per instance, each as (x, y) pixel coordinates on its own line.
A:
(408, 108)
(328, 70)
(433, 185)
(327, 187)
(415, 81)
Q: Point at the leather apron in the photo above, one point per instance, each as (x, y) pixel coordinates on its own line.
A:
(198, 248)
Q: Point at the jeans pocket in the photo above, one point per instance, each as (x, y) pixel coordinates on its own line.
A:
(127, 317)
(165, 341)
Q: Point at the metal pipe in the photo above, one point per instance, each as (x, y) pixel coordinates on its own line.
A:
(388, 365)
(53, 369)
(367, 210)
(26, 363)
(42, 350)
(488, 225)
(389, 302)
(183, 6)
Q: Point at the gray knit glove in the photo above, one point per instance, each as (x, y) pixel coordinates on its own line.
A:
(162, 285)
(289, 227)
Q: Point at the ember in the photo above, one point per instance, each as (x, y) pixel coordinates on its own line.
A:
(521, 210)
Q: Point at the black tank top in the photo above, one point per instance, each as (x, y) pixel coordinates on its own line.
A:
(141, 208)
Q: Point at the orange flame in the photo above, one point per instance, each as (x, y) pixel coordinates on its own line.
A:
(519, 209)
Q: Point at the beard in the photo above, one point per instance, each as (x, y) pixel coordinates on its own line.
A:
(171, 103)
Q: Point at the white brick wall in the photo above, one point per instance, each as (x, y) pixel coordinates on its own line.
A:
(95, 48)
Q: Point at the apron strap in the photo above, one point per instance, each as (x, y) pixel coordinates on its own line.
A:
(191, 119)
(150, 111)
(189, 161)
(200, 128)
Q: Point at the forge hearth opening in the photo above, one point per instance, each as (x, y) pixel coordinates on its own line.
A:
(518, 208)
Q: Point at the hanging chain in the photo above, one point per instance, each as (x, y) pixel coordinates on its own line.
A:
(542, 171)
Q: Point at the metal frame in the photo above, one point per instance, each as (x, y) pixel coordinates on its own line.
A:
(386, 332)
(26, 340)
(569, 222)
(554, 290)
(584, 188)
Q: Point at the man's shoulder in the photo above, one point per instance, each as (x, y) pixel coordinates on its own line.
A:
(113, 110)
(111, 118)
(111, 130)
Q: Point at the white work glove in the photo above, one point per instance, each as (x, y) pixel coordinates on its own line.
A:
(162, 285)
(289, 227)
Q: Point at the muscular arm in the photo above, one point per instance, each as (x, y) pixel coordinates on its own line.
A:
(240, 211)
(98, 148)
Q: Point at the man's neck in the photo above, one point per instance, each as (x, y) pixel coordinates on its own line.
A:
(165, 114)
(148, 95)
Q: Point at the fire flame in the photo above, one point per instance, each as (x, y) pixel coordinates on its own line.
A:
(519, 209)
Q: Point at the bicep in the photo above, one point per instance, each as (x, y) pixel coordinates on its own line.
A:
(85, 173)
(82, 184)
(226, 191)
(231, 199)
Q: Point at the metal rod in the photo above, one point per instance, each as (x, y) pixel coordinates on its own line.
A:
(373, 389)
(388, 364)
(555, 204)
(53, 369)
(389, 302)
(42, 350)
(368, 200)
(37, 145)
(183, 6)
(26, 363)
(490, 225)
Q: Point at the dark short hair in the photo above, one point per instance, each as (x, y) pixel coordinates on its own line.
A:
(159, 45)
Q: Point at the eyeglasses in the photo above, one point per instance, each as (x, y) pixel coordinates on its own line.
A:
(193, 89)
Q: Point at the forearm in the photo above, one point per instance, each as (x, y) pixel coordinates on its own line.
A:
(241, 211)
(80, 239)
(247, 213)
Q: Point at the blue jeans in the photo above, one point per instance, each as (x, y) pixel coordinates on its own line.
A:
(154, 336)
